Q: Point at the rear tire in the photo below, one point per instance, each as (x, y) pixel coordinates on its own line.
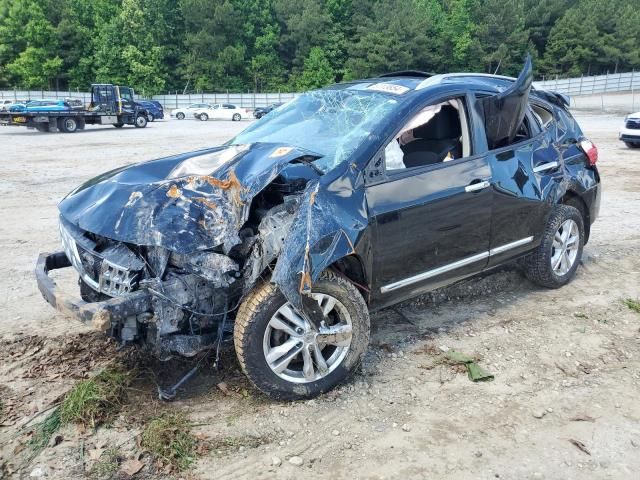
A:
(256, 339)
(203, 117)
(67, 125)
(236, 117)
(632, 145)
(42, 127)
(554, 263)
(180, 116)
(118, 125)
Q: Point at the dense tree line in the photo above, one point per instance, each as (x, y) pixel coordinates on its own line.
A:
(270, 45)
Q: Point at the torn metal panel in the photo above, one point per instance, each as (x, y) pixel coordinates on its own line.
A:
(329, 223)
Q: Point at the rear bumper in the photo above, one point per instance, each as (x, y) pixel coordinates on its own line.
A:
(630, 138)
(629, 135)
(99, 315)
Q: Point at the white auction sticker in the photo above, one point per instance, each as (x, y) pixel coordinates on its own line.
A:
(389, 88)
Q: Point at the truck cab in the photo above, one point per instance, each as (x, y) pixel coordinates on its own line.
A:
(118, 105)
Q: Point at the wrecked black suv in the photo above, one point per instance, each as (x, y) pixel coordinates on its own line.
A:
(344, 200)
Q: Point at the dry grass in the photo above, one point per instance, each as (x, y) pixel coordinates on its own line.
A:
(95, 400)
(107, 465)
(632, 304)
(169, 438)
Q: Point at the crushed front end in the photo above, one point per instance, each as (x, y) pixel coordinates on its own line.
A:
(165, 256)
(171, 302)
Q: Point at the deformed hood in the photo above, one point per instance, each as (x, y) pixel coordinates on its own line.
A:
(184, 203)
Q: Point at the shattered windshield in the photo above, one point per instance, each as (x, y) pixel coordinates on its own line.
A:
(331, 123)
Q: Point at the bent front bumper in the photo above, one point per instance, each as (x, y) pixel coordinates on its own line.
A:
(99, 315)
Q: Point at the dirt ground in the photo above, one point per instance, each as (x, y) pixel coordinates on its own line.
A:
(563, 405)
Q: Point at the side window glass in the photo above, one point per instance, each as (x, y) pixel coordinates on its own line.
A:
(438, 133)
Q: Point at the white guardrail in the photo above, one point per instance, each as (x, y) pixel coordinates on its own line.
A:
(609, 83)
(598, 84)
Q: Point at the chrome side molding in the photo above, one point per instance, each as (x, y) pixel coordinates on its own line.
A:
(509, 246)
(455, 265)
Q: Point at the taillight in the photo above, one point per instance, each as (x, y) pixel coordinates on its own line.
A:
(590, 150)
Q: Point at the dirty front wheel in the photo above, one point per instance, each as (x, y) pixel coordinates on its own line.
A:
(284, 356)
(554, 262)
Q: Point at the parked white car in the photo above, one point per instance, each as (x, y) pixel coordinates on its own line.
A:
(221, 111)
(630, 131)
(5, 104)
(182, 113)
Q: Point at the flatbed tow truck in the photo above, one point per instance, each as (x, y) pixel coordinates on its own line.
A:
(110, 105)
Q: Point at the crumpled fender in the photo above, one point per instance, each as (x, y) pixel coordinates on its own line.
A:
(328, 225)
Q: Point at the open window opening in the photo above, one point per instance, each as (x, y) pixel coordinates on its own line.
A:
(524, 132)
(438, 133)
(544, 116)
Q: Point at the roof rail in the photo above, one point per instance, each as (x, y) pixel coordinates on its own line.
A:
(446, 76)
(407, 73)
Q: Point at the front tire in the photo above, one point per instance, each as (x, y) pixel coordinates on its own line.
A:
(236, 117)
(554, 263)
(203, 117)
(283, 356)
(632, 145)
(150, 117)
(180, 116)
(141, 121)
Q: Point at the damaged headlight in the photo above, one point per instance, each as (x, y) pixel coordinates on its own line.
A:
(69, 246)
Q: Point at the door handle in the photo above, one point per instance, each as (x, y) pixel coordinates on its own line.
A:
(474, 187)
(546, 166)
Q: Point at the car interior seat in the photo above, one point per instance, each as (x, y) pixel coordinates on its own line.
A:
(435, 140)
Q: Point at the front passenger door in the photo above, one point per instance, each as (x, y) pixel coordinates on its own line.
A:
(431, 224)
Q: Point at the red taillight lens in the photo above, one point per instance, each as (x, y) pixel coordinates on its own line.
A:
(590, 150)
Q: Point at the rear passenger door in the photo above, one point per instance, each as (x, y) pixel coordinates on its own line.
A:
(524, 174)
